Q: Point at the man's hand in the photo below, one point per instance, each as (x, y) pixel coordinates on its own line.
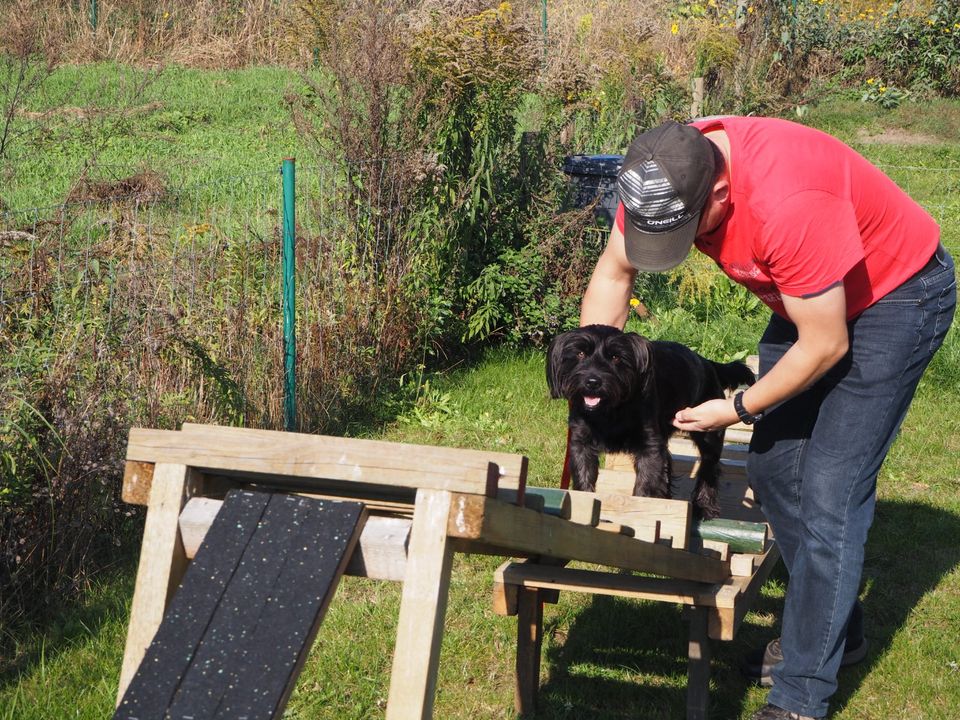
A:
(711, 415)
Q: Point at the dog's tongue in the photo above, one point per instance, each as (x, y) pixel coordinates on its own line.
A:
(591, 402)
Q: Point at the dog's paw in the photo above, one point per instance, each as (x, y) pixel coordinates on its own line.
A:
(705, 503)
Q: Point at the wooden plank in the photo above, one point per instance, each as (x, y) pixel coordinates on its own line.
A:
(169, 655)
(616, 528)
(351, 452)
(423, 605)
(735, 497)
(162, 563)
(584, 507)
(278, 646)
(316, 462)
(529, 646)
(619, 461)
(674, 516)
(685, 466)
(535, 575)
(476, 518)
(681, 445)
(739, 433)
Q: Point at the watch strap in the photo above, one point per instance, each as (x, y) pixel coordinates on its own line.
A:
(745, 417)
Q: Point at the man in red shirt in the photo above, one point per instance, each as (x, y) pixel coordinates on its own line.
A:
(862, 294)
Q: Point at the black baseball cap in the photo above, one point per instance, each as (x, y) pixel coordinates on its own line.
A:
(664, 183)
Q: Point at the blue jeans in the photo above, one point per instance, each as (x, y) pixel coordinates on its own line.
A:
(813, 465)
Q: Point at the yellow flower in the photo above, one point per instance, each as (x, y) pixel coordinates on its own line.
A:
(674, 29)
(634, 302)
(871, 81)
(750, 10)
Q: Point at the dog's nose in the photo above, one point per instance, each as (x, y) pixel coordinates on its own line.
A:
(592, 383)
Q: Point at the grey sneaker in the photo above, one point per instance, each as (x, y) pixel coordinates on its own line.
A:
(758, 664)
(772, 712)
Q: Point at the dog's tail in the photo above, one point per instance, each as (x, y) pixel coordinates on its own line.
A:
(734, 374)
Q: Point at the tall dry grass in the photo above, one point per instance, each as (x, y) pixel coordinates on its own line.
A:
(205, 33)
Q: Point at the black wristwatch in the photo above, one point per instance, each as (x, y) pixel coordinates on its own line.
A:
(745, 417)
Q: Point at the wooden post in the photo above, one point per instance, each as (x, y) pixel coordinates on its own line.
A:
(423, 604)
(698, 665)
(529, 644)
(162, 563)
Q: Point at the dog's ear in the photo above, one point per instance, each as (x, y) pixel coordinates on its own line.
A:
(642, 352)
(555, 364)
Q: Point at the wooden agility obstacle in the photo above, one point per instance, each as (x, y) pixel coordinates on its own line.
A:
(413, 507)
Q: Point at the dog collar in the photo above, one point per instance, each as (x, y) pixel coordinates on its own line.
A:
(745, 417)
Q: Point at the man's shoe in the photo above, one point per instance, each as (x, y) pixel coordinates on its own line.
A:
(758, 663)
(772, 712)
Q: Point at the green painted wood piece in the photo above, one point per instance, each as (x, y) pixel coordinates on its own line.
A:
(741, 536)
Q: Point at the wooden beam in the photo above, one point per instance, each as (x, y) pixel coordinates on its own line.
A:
(162, 563)
(517, 530)
(317, 462)
(137, 479)
(423, 606)
(738, 594)
(545, 577)
(529, 645)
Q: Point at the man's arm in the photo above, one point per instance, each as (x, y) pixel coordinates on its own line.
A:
(822, 340)
(607, 298)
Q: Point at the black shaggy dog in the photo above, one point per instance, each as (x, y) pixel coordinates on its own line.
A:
(624, 391)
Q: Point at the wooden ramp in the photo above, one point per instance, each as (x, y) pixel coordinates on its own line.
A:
(236, 633)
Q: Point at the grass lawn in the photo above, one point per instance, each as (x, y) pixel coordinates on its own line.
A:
(603, 657)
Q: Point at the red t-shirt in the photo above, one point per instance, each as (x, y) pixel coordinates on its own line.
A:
(808, 211)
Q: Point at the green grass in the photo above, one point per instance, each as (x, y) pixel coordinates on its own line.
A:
(192, 126)
(603, 657)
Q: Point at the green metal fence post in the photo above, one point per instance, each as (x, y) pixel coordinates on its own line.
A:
(93, 15)
(288, 171)
(543, 26)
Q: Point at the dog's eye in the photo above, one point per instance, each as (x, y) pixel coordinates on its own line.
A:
(615, 359)
(581, 355)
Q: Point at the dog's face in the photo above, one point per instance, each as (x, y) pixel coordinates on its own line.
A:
(598, 367)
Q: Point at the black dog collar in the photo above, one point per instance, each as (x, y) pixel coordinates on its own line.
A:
(745, 417)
